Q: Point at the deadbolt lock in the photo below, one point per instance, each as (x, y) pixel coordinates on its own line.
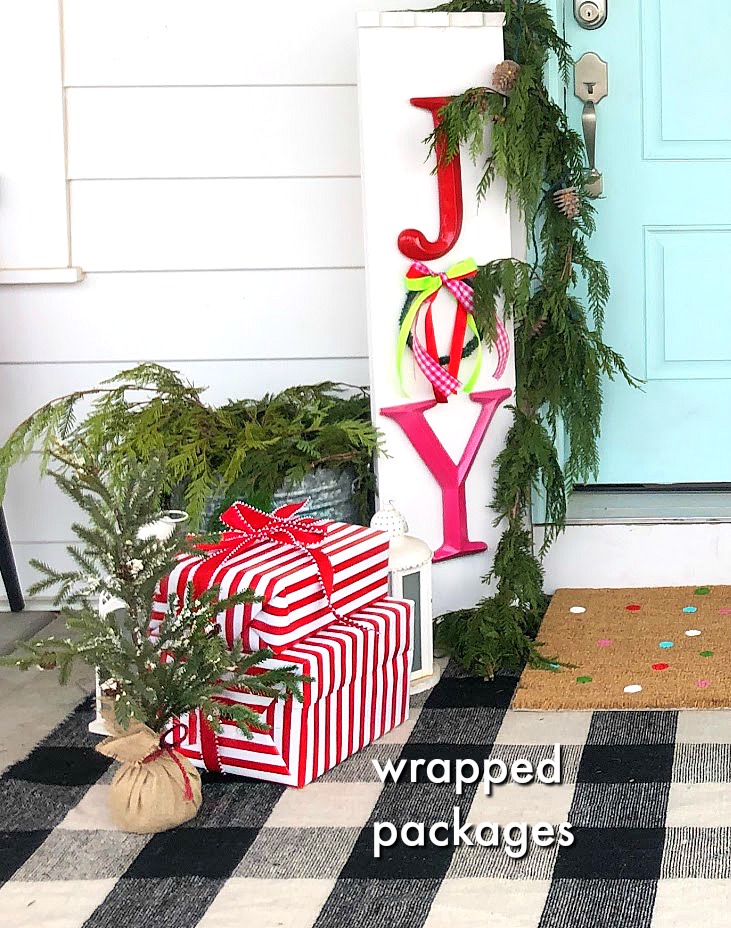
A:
(590, 14)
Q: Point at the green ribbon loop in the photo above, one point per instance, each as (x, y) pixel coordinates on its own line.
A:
(403, 335)
(470, 385)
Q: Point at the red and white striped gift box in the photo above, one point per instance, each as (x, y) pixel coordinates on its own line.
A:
(287, 578)
(360, 691)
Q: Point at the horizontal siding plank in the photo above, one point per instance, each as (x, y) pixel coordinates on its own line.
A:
(109, 42)
(202, 132)
(25, 387)
(168, 225)
(53, 553)
(215, 315)
(37, 512)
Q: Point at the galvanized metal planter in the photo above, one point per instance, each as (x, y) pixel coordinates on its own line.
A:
(330, 491)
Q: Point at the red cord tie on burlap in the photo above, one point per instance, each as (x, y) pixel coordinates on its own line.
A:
(170, 750)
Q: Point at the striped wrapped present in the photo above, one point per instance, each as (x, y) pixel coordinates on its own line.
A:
(360, 691)
(308, 572)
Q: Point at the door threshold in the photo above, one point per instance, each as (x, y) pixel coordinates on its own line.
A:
(628, 506)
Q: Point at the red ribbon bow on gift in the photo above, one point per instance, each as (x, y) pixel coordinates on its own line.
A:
(250, 527)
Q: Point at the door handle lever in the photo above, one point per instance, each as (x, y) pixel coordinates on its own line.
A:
(591, 86)
(594, 183)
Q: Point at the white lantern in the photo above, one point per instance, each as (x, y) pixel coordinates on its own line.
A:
(409, 565)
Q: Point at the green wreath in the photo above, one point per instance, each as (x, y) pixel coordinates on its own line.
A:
(469, 348)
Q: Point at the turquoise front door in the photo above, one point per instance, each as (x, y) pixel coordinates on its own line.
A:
(664, 231)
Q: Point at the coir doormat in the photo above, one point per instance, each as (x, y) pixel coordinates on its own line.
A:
(664, 648)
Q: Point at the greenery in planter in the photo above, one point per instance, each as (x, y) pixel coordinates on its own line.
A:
(522, 135)
(121, 561)
(244, 448)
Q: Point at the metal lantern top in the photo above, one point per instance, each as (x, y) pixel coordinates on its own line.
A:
(405, 551)
(163, 527)
(390, 520)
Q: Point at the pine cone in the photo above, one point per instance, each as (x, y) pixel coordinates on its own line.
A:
(110, 688)
(505, 75)
(538, 327)
(478, 98)
(568, 202)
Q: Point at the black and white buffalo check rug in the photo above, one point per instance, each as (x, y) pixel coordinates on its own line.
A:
(648, 795)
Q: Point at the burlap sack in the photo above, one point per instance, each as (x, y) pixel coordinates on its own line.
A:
(149, 791)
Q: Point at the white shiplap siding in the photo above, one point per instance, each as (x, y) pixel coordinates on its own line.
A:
(216, 224)
(180, 132)
(212, 166)
(123, 43)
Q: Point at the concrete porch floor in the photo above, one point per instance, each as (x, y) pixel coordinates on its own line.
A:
(33, 703)
(19, 626)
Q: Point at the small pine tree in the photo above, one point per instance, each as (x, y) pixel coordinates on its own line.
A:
(184, 664)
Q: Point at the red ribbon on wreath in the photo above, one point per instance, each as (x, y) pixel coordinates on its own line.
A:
(464, 297)
(426, 284)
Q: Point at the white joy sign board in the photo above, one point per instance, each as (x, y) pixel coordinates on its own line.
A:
(439, 467)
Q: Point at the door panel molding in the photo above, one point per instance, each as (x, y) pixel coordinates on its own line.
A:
(686, 268)
(686, 115)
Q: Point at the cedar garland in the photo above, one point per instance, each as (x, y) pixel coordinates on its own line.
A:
(561, 359)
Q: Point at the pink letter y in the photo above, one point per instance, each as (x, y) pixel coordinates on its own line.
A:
(451, 477)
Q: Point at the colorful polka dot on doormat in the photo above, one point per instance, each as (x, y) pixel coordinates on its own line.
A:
(655, 645)
(703, 591)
